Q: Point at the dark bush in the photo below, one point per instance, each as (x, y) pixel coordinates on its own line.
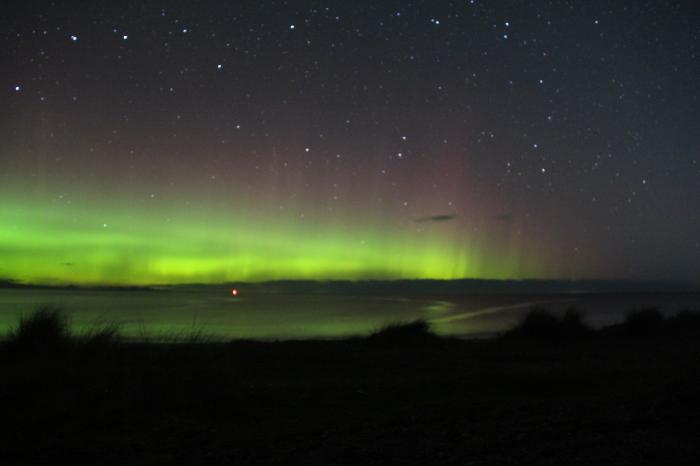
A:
(644, 323)
(685, 323)
(573, 325)
(417, 332)
(540, 324)
(537, 323)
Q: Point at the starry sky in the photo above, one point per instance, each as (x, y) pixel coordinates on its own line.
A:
(167, 142)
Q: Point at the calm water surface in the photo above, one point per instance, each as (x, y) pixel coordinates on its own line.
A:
(178, 312)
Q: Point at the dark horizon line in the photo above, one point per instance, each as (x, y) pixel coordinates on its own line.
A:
(527, 285)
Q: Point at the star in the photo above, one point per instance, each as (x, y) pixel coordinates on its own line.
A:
(335, 84)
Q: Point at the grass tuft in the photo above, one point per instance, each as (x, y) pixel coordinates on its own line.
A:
(103, 336)
(43, 331)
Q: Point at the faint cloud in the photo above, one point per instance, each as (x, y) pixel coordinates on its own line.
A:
(436, 218)
(503, 217)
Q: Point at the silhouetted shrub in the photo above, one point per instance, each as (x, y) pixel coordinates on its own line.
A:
(685, 323)
(573, 326)
(644, 323)
(539, 324)
(417, 332)
(43, 331)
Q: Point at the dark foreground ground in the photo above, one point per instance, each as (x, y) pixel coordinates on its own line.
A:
(593, 401)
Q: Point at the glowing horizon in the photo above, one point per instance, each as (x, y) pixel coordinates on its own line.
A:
(119, 241)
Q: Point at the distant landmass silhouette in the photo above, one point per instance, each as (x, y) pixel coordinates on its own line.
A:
(421, 286)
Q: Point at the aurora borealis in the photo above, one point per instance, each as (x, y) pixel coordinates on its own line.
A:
(139, 246)
(159, 143)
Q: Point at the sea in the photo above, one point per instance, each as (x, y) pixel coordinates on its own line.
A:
(215, 313)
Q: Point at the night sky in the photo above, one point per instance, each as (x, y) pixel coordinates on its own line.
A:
(175, 142)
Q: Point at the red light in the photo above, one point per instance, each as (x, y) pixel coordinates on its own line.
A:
(234, 292)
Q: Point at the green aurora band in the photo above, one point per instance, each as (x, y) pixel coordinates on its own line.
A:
(126, 242)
